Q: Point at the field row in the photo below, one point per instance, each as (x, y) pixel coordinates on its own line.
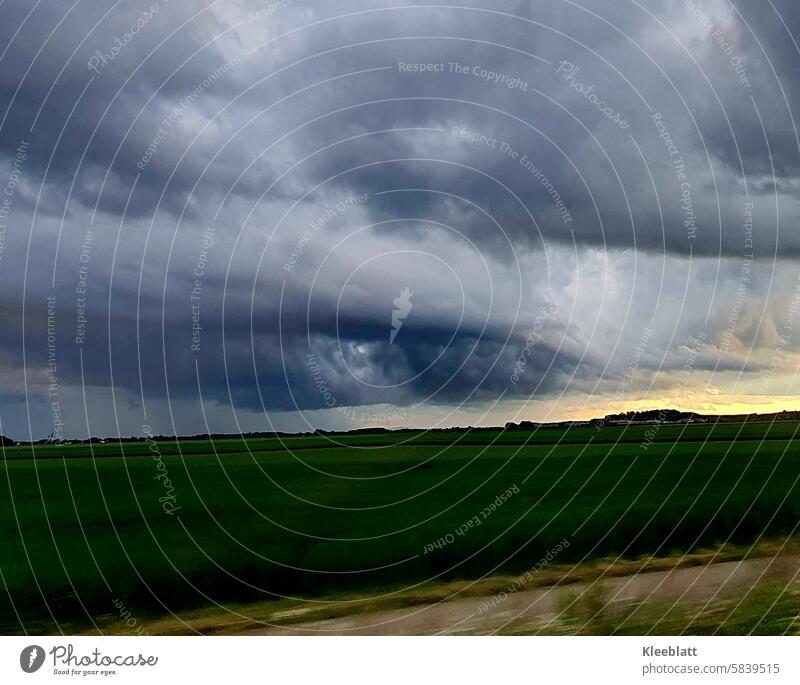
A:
(166, 533)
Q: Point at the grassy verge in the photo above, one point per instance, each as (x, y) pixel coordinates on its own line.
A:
(768, 608)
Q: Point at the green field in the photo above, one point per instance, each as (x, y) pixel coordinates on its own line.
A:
(304, 517)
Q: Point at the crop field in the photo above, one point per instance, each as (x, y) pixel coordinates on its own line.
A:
(175, 525)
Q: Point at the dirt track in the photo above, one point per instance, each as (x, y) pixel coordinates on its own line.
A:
(533, 610)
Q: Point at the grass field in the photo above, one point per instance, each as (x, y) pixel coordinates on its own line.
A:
(84, 529)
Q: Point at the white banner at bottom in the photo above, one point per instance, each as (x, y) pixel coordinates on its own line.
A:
(399, 660)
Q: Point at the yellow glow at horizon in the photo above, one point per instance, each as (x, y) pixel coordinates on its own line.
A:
(708, 404)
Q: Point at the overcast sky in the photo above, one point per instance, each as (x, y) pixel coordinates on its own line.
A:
(235, 216)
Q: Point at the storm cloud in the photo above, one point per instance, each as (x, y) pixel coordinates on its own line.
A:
(233, 216)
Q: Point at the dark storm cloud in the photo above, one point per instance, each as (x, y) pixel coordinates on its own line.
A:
(598, 158)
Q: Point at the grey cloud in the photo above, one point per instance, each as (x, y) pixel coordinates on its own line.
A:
(306, 115)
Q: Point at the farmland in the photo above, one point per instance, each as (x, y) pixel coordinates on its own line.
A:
(181, 525)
